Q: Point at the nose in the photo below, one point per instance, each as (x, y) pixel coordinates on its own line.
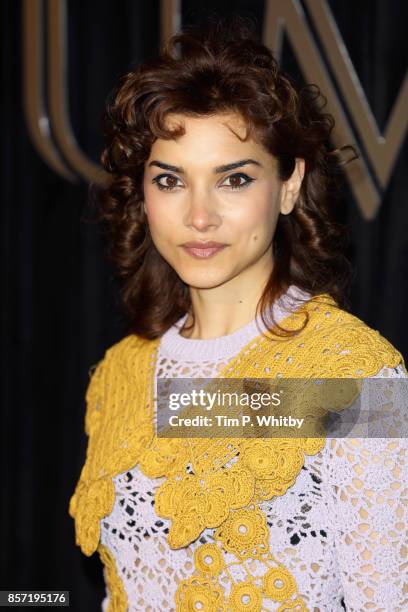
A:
(202, 212)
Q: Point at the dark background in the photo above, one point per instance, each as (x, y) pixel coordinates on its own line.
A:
(59, 305)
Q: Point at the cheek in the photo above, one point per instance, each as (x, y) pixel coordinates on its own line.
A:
(258, 220)
(160, 226)
(158, 215)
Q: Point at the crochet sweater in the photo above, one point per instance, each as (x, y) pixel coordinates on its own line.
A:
(330, 536)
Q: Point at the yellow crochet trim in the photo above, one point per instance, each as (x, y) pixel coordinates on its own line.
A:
(334, 344)
(117, 596)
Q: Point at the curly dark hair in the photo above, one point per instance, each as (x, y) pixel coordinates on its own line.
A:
(200, 72)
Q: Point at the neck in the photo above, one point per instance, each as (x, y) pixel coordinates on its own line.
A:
(223, 310)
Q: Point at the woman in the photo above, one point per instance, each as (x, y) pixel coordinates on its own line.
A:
(219, 215)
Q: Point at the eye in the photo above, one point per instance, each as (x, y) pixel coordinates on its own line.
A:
(239, 180)
(166, 182)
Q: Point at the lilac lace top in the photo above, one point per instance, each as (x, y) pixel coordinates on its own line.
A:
(341, 529)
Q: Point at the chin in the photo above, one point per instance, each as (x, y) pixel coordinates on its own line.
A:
(205, 279)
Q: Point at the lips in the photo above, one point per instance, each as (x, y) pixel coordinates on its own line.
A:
(203, 250)
(202, 245)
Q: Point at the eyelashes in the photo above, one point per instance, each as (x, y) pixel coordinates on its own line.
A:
(237, 176)
(240, 175)
(163, 187)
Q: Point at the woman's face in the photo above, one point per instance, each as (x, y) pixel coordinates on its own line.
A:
(208, 186)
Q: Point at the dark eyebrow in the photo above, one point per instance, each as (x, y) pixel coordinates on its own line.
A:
(237, 164)
(164, 166)
(217, 170)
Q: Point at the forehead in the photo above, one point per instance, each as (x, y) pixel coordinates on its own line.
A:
(210, 139)
(221, 124)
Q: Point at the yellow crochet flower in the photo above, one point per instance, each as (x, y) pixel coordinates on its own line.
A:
(291, 458)
(279, 584)
(192, 502)
(192, 505)
(260, 458)
(208, 559)
(163, 456)
(311, 446)
(217, 497)
(186, 528)
(245, 597)
(244, 533)
(174, 494)
(197, 593)
(237, 483)
(278, 459)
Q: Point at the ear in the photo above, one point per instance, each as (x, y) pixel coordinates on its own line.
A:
(291, 188)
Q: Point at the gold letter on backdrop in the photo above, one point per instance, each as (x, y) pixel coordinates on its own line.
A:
(382, 151)
(37, 119)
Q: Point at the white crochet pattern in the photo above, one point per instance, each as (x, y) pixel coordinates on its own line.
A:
(341, 529)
